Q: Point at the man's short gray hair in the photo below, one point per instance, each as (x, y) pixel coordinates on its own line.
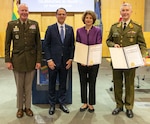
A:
(22, 4)
(126, 4)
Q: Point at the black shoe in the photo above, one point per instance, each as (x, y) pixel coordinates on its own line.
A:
(52, 110)
(91, 110)
(64, 108)
(83, 109)
(129, 113)
(116, 111)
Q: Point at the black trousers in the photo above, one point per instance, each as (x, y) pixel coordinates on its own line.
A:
(88, 76)
(59, 74)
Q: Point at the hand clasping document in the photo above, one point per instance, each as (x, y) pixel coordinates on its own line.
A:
(126, 57)
(88, 54)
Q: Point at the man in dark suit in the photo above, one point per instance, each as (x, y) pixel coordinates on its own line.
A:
(122, 34)
(59, 52)
(24, 36)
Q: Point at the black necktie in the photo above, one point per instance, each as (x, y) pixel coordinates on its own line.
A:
(24, 26)
(124, 26)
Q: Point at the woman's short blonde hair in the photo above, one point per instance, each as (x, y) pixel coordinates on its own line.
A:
(90, 13)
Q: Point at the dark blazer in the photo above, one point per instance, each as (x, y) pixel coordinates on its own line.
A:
(26, 50)
(53, 46)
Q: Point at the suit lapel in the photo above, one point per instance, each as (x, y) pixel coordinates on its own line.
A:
(128, 28)
(57, 32)
(119, 28)
(18, 24)
(27, 25)
(66, 31)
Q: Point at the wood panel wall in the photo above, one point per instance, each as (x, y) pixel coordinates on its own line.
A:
(5, 16)
(110, 14)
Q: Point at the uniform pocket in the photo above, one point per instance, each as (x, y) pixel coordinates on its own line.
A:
(131, 35)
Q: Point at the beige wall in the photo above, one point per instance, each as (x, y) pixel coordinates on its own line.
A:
(147, 16)
(110, 14)
(5, 14)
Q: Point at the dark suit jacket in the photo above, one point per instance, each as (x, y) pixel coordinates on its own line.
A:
(53, 46)
(26, 50)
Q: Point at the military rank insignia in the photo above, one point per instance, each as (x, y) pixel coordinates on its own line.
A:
(16, 29)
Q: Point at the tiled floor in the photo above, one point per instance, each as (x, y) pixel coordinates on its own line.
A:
(103, 108)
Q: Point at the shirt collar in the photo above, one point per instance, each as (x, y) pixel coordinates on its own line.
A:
(23, 22)
(60, 25)
(127, 22)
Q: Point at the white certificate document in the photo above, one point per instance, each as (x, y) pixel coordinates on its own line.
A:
(88, 55)
(126, 57)
(95, 54)
(118, 58)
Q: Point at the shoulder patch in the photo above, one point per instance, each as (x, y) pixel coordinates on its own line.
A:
(137, 23)
(31, 21)
(116, 23)
(13, 21)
